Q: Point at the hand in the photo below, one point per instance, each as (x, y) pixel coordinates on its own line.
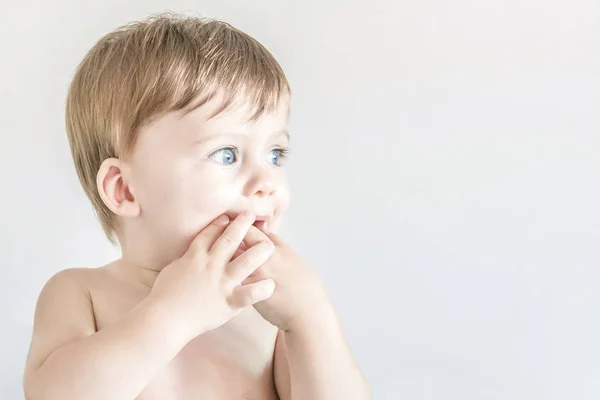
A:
(298, 291)
(203, 289)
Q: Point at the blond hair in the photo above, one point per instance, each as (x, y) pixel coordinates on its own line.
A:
(142, 70)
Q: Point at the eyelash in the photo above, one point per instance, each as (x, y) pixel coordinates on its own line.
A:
(284, 152)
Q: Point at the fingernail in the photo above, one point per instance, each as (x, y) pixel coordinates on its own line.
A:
(270, 286)
(223, 219)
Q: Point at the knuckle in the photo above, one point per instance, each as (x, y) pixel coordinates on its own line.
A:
(241, 299)
(224, 291)
(247, 262)
(207, 232)
(196, 251)
(227, 238)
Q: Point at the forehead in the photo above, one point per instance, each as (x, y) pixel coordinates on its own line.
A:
(211, 117)
(176, 130)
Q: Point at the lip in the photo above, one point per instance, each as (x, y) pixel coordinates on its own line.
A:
(261, 221)
(258, 217)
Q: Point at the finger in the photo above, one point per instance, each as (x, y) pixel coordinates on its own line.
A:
(247, 295)
(261, 225)
(240, 250)
(254, 236)
(240, 268)
(238, 253)
(257, 275)
(207, 237)
(226, 245)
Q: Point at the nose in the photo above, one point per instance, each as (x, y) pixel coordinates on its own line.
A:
(261, 184)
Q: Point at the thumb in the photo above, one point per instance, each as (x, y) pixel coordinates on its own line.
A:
(258, 274)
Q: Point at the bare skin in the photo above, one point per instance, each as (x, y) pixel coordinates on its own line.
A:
(200, 305)
(101, 322)
(233, 361)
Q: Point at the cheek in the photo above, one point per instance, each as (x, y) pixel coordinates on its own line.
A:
(205, 197)
(282, 204)
(202, 197)
(180, 200)
(284, 195)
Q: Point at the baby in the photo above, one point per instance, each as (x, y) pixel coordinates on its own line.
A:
(178, 127)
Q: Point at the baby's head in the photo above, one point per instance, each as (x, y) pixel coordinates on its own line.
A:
(173, 121)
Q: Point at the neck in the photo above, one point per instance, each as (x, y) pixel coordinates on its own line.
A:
(132, 271)
(144, 256)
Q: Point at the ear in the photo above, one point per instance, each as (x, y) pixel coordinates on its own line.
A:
(114, 190)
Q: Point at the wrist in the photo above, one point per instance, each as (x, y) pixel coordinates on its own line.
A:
(174, 331)
(316, 317)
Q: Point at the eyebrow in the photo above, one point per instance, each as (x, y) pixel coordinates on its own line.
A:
(282, 132)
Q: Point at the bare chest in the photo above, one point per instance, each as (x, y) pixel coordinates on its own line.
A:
(234, 361)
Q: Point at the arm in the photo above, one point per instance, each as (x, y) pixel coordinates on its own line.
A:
(69, 360)
(196, 293)
(313, 361)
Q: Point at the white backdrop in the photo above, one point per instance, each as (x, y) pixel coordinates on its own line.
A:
(445, 169)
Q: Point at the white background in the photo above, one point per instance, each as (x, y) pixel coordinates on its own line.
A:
(445, 169)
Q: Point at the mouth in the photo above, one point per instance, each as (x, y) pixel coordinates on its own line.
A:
(261, 222)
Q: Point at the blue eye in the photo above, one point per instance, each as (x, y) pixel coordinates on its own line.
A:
(226, 155)
(276, 155)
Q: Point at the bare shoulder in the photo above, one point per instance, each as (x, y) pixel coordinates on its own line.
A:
(79, 277)
(63, 287)
(68, 284)
(63, 313)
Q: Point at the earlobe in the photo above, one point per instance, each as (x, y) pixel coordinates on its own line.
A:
(114, 190)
